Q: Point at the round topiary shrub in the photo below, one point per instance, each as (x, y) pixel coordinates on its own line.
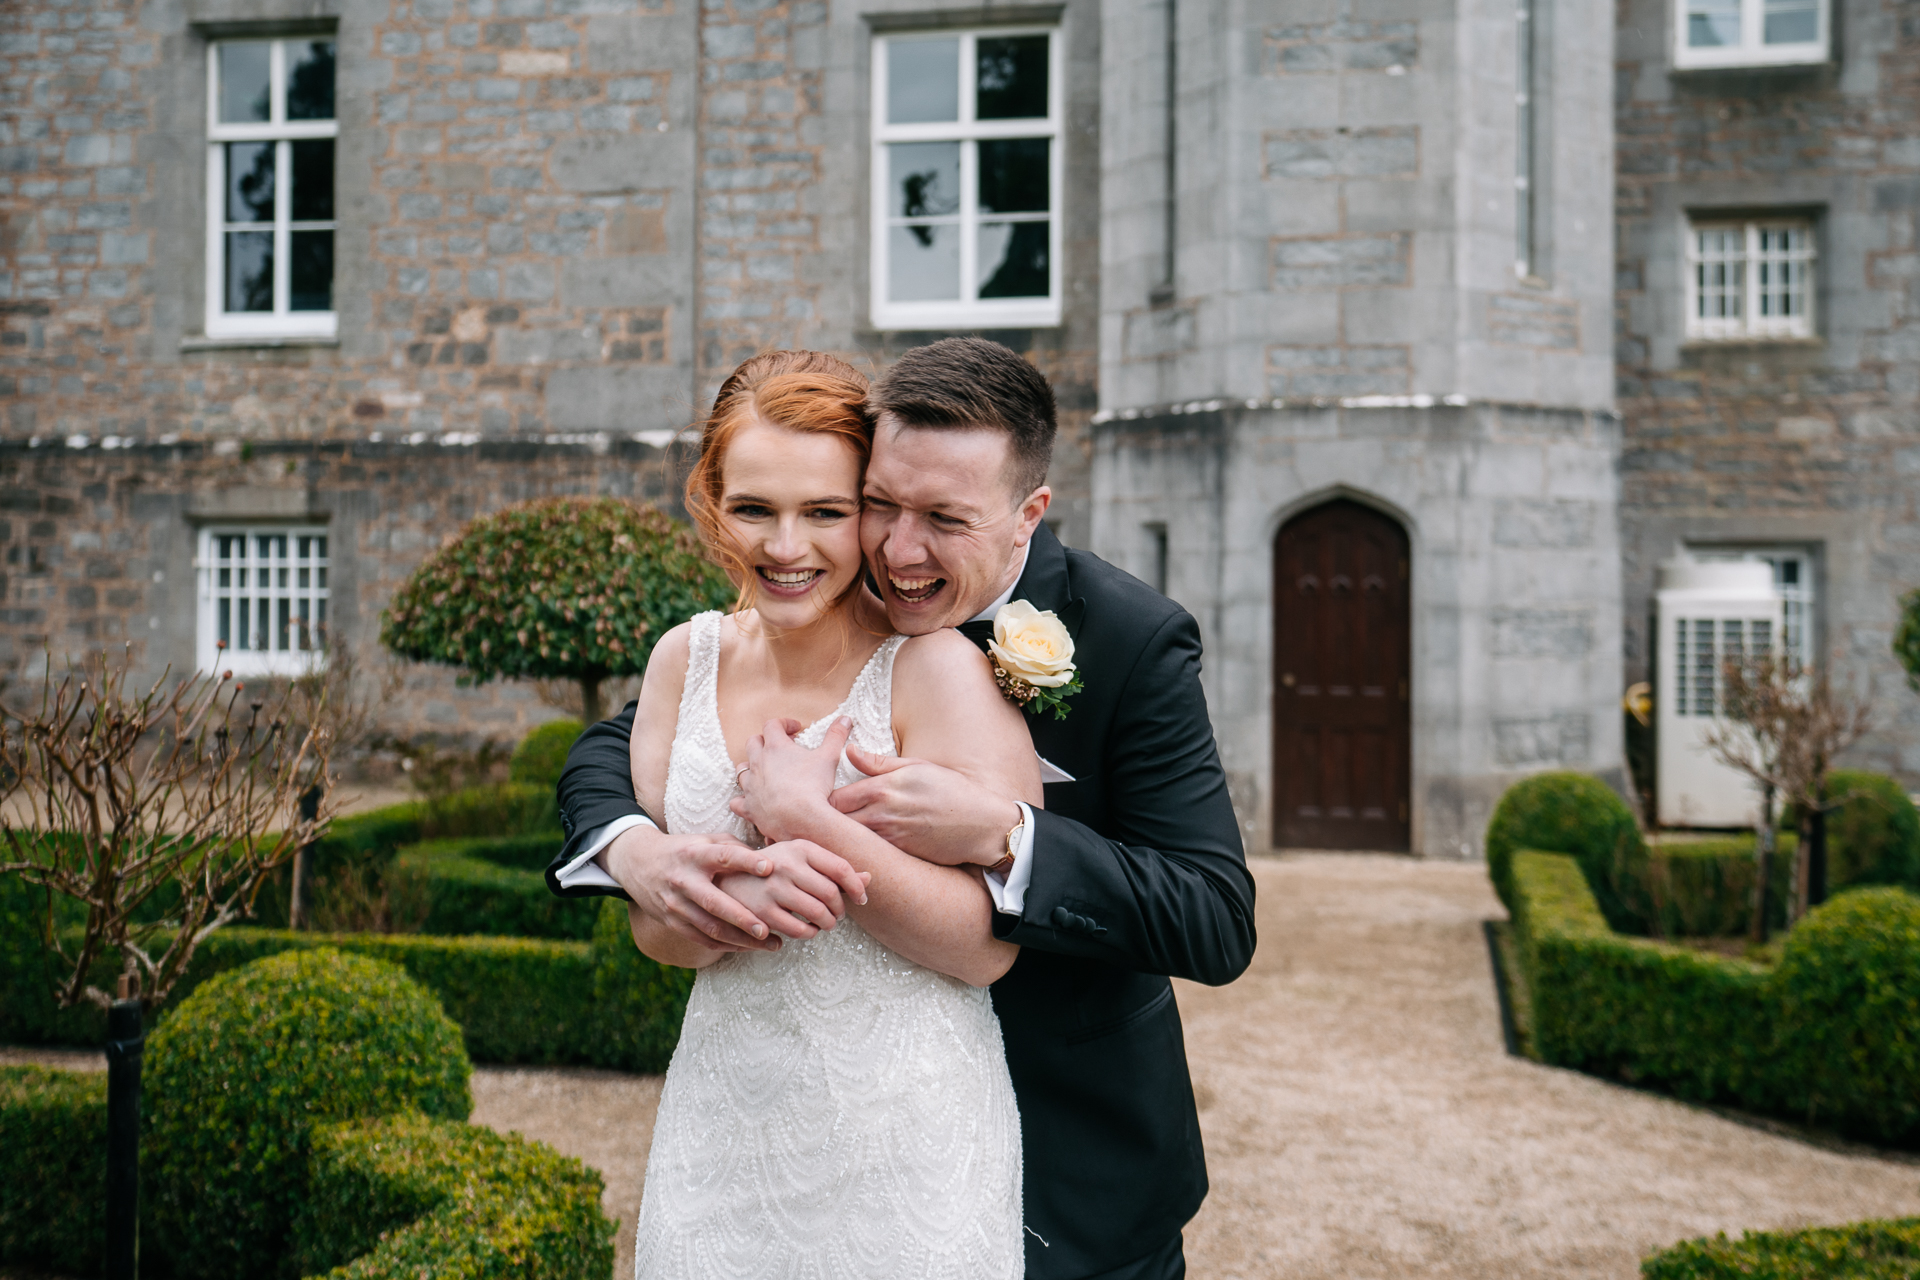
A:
(1575, 813)
(244, 1069)
(542, 754)
(1873, 831)
(1850, 1014)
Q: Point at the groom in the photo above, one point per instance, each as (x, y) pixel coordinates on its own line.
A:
(1132, 872)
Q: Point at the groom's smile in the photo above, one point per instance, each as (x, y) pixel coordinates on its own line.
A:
(940, 524)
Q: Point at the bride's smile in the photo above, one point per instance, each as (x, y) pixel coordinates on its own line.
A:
(790, 508)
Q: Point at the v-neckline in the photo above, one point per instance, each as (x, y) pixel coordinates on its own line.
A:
(713, 705)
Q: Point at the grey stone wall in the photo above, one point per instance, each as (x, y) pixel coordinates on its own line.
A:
(1515, 564)
(99, 547)
(1344, 206)
(1809, 444)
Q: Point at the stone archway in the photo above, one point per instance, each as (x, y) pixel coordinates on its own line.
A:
(1342, 646)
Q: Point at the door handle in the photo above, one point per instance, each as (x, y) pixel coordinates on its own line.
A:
(1287, 679)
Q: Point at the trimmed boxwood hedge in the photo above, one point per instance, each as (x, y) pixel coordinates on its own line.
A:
(244, 1070)
(409, 1196)
(1704, 888)
(1863, 1251)
(542, 754)
(53, 1169)
(1647, 1012)
(1573, 813)
(1873, 831)
(516, 1000)
(1826, 1036)
(467, 894)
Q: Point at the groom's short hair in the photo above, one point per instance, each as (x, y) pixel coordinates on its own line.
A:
(973, 383)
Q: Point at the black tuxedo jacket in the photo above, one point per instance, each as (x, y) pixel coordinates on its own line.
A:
(1138, 874)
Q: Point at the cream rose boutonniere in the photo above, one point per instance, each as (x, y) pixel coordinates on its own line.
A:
(1033, 658)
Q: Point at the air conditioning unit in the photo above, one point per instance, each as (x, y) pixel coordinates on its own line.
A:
(1706, 613)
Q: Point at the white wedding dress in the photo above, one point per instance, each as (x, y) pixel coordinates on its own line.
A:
(833, 1110)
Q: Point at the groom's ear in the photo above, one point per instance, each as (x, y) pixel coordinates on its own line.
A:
(1032, 508)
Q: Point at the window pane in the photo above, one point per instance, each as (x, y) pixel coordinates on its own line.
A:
(312, 195)
(1012, 81)
(924, 263)
(925, 179)
(249, 271)
(1713, 24)
(1792, 21)
(281, 643)
(226, 620)
(311, 270)
(1720, 276)
(310, 80)
(1013, 176)
(923, 80)
(1013, 260)
(250, 181)
(244, 81)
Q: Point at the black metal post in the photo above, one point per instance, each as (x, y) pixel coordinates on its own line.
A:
(1817, 855)
(125, 1041)
(303, 862)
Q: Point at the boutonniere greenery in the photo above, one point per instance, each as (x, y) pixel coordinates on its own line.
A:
(1032, 657)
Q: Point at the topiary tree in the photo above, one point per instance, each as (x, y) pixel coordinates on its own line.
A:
(542, 754)
(1850, 999)
(1873, 831)
(557, 589)
(245, 1069)
(1576, 813)
(1906, 637)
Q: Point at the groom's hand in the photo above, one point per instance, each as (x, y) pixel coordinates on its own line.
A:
(932, 812)
(671, 878)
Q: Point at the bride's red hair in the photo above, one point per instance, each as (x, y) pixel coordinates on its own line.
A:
(805, 391)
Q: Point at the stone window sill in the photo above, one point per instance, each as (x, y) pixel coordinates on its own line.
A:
(1745, 344)
(200, 342)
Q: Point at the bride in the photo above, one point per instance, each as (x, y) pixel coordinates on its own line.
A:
(839, 1107)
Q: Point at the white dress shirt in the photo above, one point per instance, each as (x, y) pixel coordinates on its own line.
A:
(1009, 891)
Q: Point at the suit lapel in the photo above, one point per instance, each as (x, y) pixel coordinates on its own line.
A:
(1047, 583)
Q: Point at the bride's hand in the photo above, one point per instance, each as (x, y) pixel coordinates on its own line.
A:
(795, 900)
(782, 782)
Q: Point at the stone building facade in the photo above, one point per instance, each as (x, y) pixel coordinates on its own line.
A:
(1799, 447)
(1306, 275)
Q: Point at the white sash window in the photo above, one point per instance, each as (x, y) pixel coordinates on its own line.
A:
(263, 593)
(967, 167)
(270, 139)
(1750, 280)
(1749, 33)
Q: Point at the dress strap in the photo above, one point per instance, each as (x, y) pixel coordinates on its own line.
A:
(699, 695)
(870, 701)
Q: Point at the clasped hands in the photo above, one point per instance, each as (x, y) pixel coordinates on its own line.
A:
(718, 892)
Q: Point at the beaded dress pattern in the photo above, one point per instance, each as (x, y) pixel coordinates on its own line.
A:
(833, 1111)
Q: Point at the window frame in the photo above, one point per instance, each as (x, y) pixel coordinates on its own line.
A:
(965, 312)
(1799, 601)
(293, 660)
(1751, 51)
(280, 322)
(1750, 327)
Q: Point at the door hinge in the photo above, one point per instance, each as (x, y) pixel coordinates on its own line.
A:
(1403, 811)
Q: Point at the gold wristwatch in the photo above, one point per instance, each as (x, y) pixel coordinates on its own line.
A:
(1013, 848)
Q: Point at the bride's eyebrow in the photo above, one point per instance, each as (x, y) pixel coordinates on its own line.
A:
(810, 502)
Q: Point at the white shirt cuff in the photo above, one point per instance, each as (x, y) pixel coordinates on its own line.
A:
(583, 872)
(1009, 893)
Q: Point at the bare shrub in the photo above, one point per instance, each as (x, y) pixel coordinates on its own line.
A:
(158, 815)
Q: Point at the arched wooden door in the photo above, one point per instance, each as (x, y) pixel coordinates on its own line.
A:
(1341, 644)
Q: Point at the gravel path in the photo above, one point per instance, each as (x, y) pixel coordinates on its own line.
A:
(1362, 1118)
